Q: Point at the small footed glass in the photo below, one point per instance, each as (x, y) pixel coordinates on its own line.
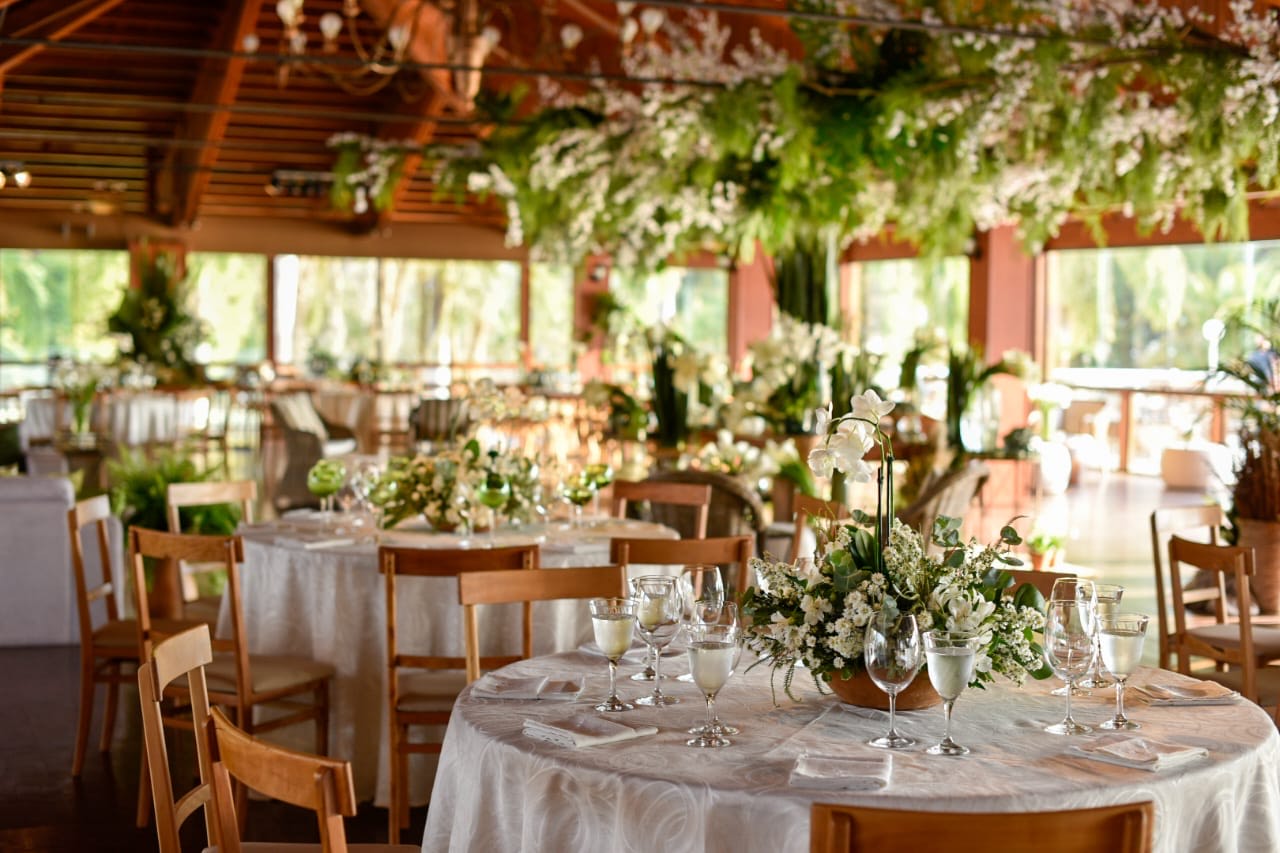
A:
(950, 657)
(892, 654)
(613, 620)
(1120, 637)
(713, 655)
(1068, 649)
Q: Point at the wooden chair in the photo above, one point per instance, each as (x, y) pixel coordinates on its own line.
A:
(187, 653)
(856, 829)
(805, 508)
(179, 495)
(1236, 644)
(949, 495)
(323, 785)
(734, 551)
(1042, 581)
(694, 495)
(735, 509)
(523, 585)
(237, 679)
(1165, 521)
(430, 701)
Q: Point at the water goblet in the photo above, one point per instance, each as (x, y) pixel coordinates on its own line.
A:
(494, 492)
(1080, 591)
(706, 614)
(702, 588)
(713, 655)
(892, 655)
(1068, 649)
(601, 475)
(612, 621)
(1106, 601)
(950, 656)
(324, 480)
(1120, 637)
(579, 490)
(658, 614)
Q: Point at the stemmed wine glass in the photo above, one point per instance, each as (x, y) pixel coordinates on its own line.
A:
(1081, 592)
(494, 492)
(893, 655)
(612, 621)
(1106, 601)
(1068, 649)
(658, 612)
(702, 589)
(950, 656)
(713, 655)
(324, 480)
(1120, 637)
(726, 615)
(579, 489)
(601, 475)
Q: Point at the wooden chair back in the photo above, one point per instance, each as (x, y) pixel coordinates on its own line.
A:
(1042, 581)
(525, 585)
(1166, 521)
(241, 492)
(949, 495)
(97, 512)
(735, 551)
(323, 785)
(187, 653)
(856, 829)
(804, 508)
(697, 495)
(1223, 562)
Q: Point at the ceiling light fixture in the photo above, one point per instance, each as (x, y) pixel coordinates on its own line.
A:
(14, 172)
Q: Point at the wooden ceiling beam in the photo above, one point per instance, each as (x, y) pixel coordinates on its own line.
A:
(216, 84)
(49, 20)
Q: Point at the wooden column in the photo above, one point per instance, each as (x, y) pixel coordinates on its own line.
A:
(750, 305)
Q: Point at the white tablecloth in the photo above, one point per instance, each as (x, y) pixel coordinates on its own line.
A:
(498, 790)
(329, 604)
(131, 419)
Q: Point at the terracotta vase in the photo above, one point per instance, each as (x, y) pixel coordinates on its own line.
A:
(862, 691)
(1264, 538)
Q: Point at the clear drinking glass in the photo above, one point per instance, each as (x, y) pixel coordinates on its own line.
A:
(950, 655)
(713, 655)
(601, 475)
(892, 652)
(579, 490)
(613, 620)
(1106, 601)
(726, 615)
(1068, 649)
(702, 588)
(1080, 591)
(1120, 637)
(658, 612)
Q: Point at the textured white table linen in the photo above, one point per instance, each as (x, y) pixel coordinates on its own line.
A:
(329, 604)
(498, 790)
(132, 419)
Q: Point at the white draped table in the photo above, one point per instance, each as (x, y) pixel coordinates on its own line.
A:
(498, 790)
(329, 603)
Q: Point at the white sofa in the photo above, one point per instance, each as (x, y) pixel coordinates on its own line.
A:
(37, 588)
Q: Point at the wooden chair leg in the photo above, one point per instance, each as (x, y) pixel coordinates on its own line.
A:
(244, 719)
(109, 714)
(86, 715)
(393, 806)
(144, 794)
(403, 768)
(322, 718)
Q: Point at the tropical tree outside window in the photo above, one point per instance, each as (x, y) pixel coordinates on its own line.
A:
(56, 303)
(694, 301)
(551, 315)
(229, 293)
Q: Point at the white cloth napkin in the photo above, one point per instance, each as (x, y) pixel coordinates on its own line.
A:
(1139, 753)
(496, 686)
(1188, 693)
(584, 730)
(328, 543)
(842, 773)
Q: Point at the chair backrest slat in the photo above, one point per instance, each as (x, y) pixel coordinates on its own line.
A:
(735, 551)
(1042, 581)
(1165, 521)
(240, 492)
(697, 495)
(804, 508)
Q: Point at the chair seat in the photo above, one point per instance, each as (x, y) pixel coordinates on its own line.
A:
(120, 638)
(271, 673)
(1266, 641)
(427, 692)
(206, 609)
(1268, 681)
(271, 847)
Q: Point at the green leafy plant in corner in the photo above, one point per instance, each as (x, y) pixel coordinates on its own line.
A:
(162, 331)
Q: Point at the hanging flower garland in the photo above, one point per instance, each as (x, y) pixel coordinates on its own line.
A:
(366, 171)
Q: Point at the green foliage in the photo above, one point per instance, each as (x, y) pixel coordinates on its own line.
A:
(163, 332)
(139, 487)
(800, 284)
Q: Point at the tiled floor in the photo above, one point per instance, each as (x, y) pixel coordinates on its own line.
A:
(43, 809)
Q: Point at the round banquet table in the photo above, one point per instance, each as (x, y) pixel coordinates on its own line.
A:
(497, 789)
(305, 593)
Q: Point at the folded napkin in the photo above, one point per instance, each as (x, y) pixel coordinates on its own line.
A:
(328, 543)
(1188, 693)
(841, 773)
(496, 686)
(1139, 753)
(584, 730)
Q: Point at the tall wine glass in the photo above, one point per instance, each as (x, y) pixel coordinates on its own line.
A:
(702, 588)
(1081, 592)
(1068, 649)
(658, 614)
(725, 615)
(579, 490)
(1106, 601)
(951, 656)
(601, 475)
(324, 480)
(893, 654)
(713, 655)
(494, 492)
(612, 620)
(1120, 637)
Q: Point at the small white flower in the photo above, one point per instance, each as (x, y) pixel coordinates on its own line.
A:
(868, 406)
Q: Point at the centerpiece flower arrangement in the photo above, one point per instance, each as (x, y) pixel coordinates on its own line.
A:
(80, 383)
(813, 613)
(787, 371)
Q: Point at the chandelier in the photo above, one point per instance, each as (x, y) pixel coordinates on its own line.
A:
(363, 58)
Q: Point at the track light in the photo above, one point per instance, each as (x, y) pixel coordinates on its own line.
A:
(14, 172)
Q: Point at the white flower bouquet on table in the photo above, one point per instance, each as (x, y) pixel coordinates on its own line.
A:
(814, 613)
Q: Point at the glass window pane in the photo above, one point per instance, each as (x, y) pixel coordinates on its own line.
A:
(694, 301)
(229, 293)
(887, 301)
(551, 316)
(451, 312)
(326, 309)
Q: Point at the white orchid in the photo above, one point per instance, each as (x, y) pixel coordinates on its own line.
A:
(868, 406)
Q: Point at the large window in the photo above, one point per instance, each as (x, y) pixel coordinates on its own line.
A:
(693, 301)
(229, 293)
(56, 303)
(397, 310)
(887, 301)
(551, 314)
